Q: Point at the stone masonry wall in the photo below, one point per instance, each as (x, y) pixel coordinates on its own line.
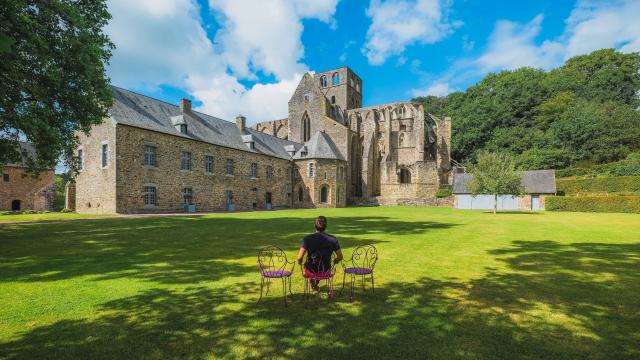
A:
(96, 185)
(208, 189)
(326, 174)
(33, 193)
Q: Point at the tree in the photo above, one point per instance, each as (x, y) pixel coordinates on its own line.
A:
(52, 70)
(582, 111)
(494, 174)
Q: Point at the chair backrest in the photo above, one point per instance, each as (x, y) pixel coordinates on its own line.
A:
(364, 256)
(272, 258)
(320, 263)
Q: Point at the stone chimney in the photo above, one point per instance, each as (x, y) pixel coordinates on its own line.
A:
(185, 105)
(241, 122)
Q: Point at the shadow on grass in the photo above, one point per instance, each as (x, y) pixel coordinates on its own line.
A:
(178, 250)
(555, 301)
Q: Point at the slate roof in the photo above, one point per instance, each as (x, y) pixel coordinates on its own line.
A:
(533, 182)
(320, 146)
(130, 108)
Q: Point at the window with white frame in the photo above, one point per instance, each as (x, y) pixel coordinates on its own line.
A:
(187, 196)
(149, 194)
(310, 170)
(185, 161)
(208, 164)
(105, 155)
(229, 166)
(254, 170)
(149, 155)
(269, 172)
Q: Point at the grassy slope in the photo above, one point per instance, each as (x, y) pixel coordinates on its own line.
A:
(46, 216)
(450, 284)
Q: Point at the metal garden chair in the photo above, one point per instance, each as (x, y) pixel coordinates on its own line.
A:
(362, 263)
(324, 273)
(274, 265)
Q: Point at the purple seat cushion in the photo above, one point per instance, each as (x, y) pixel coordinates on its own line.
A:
(276, 273)
(358, 271)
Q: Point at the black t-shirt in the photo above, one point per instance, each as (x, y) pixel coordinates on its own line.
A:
(319, 247)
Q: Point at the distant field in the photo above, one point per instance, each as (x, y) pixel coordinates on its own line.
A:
(450, 284)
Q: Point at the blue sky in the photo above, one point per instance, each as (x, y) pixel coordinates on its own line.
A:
(247, 56)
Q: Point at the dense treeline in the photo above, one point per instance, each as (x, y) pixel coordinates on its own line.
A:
(582, 113)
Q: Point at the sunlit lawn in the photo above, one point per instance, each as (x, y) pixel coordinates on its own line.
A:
(9, 218)
(450, 284)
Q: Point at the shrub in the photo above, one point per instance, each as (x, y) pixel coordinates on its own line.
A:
(625, 204)
(603, 184)
(443, 193)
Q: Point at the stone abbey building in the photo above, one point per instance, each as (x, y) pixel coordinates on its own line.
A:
(330, 152)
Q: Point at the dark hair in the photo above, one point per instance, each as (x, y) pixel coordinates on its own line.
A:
(321, 223)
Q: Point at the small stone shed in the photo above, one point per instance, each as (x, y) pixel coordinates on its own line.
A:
(536, 184)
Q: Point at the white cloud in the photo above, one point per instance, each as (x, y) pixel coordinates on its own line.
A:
(260, 35)
(596, 24)
(592, 25)
(512, 45)
(437, 89)
(163, 42)
(396, 24)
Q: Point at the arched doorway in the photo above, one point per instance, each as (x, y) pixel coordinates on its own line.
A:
(15, 205)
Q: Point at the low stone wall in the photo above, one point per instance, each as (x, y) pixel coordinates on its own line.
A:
(392, 201)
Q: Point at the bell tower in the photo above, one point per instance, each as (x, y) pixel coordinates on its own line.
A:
(342, 87)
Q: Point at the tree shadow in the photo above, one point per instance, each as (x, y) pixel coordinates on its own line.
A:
(171, 250)
(425, 319)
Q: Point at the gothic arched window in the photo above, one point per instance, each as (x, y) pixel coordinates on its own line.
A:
(306, 128)
(300, 194)
(335, 79)
(323, 81)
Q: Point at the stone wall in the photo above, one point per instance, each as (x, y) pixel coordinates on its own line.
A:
(277, 128)
(33, 193)
(326, 174)
(209, 190)
(95, 184)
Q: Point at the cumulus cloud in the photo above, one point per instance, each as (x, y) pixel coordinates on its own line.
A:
(438, 89)
(592, 25)
(396, 24)
(603, 24)
(163, 42)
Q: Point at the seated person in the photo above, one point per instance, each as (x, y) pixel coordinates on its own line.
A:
(319, 246)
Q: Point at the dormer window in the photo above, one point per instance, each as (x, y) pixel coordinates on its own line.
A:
(183, 128)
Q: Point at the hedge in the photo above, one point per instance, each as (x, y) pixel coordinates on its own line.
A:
(625, 204)
(604, 184)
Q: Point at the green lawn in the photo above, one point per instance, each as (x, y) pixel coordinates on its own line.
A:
(8, 218)
(450, 284)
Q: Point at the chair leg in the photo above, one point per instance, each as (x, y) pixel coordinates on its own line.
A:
(261, 287)
(373, 287)
(353, 281)
(291, 293)
(344, 276)
(362, 278)
(284, 290)
(266, 293)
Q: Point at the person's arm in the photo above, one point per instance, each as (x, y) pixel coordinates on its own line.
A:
(301, 255)
(338, 256)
